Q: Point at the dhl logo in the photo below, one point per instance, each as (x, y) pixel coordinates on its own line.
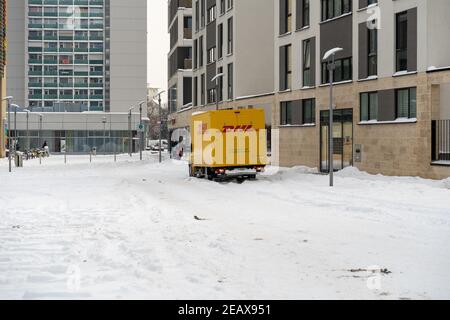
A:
(237, 128)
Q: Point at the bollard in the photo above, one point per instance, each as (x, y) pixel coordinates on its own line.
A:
(65, 158)
(40, 158)
(90, 157)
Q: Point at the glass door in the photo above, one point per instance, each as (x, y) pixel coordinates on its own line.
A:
(342, 139)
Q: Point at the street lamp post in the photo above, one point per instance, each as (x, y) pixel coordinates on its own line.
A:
(216, 79)
(28, 130)
(9, 129)
(15, 106)
(160, 122)
(39, 136)
(141, 143)
(104, 134)
(130, 136)
(330, 56)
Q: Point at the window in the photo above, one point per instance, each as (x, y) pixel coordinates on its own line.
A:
(286, 113)
(203, 8)
(211, 14)
(342, 72)
(401, 41)
(372, 61)
(200, 52)
(202, 90)
(220, 41)
(305, 14)
(229, 4)
(299, 112)
(406, 103)
(211, 95)
(220, 80)
(307, 70)
(369, 106)
(211, 55)
(197, 16)
(309, 111)
(195, 91)
(222, 6)
(230, 81)
(195, 53)
(286, 67)
(335, 8)
(285, 16)
(230, 36)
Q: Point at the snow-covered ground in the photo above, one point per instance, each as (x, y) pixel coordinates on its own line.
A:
(128, 230)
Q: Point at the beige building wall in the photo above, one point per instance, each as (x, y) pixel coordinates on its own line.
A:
(128, 53)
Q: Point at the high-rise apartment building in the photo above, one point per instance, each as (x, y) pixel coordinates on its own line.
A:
(73, 56)
(232, 40)
(180, 55)
(2, 77)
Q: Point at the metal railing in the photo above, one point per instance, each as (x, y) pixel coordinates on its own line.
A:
(440, 140)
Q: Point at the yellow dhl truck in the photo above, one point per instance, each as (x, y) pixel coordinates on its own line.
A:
(228, 144)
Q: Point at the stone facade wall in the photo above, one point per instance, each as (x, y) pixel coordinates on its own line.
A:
(398, 149)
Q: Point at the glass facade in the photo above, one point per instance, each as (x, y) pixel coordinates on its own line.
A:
(66, 55)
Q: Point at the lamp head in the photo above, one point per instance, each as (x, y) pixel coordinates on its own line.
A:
(331, 52)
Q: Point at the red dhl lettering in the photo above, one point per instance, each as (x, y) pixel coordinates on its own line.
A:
(237, 128)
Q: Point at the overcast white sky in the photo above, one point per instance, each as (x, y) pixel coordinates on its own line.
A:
(158, 43)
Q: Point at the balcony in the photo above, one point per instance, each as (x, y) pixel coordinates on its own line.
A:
(96, 25)
(50, 96)
(50, 25)
(50, 85)
(96, 73)
(50, 14)
(35, 61)
(81, 50)
(50, 49)
(34, 49)
(66, 72)
(48, 37)
(96, 2)
(96, 97)
(35, 96)
(81, 73)
(96, 61)
(78, 61)
(34, 1)
(96, 14)
(50, 61)
(187, 34)
(35, 13)
(50, 73)
(34, 37)
(82, 38)
(81, 97)
(66, 50)
(81, 2)
(187, 64)
(53, 2)
(95, 49)
(66, 2)
(66, 96)
(81, 85)
(34, 25)
(66, 38)
(35, 72)
(34, 85)
(96, 38)
(65, 85)
(96, 85)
